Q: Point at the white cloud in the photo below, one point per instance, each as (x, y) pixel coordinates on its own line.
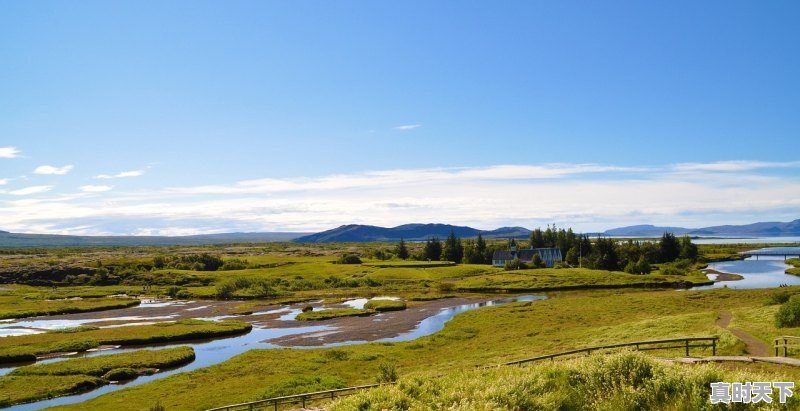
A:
(9, 152)
(95, 189)
(405, 127)
(123, 174)
(730, 166)
(586, 196)
(30, 190)
(53, 170)
(3, 181)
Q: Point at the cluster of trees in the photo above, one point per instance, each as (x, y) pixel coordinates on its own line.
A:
(196, 262)
(636, 257)
(452, 249)
(578, 250)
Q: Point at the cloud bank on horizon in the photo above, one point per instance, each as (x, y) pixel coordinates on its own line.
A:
(588, 197)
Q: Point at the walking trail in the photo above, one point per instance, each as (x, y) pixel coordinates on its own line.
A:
(754, 346)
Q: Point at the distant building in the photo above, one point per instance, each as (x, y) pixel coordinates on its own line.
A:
(550, 256)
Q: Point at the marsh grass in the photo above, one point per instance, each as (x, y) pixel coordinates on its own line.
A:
(27, 347)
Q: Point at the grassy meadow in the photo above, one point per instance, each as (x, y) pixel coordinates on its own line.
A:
(586, 307)
(488, 336)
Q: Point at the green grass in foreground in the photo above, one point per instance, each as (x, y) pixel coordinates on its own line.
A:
(385, 305)
(333, 313)
(27, 347)
(36, 382)
(625, 381)
(487, 336)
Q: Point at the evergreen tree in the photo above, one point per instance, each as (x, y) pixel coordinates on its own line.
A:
(669, 248)
(402, 250)
(453, 249)
(432, 250)
(537, 238)
(688, 249)
(480, 251)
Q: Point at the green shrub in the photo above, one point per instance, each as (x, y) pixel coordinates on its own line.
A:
(788, 314)
(349, 259)
(120, 374)
(385, 305)
(387, 373)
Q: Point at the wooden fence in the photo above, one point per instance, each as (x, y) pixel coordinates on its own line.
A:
(297, 399)
(685, 343)
(785, 342)
(302, 399)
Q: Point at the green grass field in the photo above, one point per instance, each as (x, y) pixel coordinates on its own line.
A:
(487, 336)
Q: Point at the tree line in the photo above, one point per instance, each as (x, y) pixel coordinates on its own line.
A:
(577, 250)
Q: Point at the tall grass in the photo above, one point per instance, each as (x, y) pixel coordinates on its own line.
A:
(618, 382)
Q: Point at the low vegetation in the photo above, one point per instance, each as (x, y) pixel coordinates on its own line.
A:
(625, 381)
(567, 320)
(332, 313)
(385, 305)
(28, 347)
(35, 382)
(16, 306)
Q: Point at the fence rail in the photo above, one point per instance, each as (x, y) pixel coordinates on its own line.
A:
(685, 343)
(301, 399)
(786, 342)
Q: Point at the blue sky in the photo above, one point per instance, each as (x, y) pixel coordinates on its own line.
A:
(251, 116)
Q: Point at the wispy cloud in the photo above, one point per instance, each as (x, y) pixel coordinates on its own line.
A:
(405, 127)
(9, 152)
(53, 170)
(95, 189)
(730, 166)
(3, 181)
(30, 190)
(122, 174)
(587, 196)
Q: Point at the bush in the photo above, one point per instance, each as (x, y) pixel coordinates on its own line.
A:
(349, 259)
(183, 294)
(385, 305)
(788, 314)
(514, 264)
(120, 374)
(387, 373)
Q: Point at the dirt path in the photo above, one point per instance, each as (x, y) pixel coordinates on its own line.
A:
(754, 346)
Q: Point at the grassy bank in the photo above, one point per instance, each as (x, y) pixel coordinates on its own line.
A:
(20, 302)
(626, 381)
(28, 347)
(385, 305)
(333, 313)
(572, 278)
(487, 336)
(36, 382)
(795, 269)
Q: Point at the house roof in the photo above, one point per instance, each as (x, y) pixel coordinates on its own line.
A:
(527, 254)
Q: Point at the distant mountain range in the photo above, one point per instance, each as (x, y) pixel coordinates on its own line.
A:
(367, 233)
(410, 232)
(766, 229)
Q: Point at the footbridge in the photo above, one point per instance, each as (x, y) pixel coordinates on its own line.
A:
(785, 252)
